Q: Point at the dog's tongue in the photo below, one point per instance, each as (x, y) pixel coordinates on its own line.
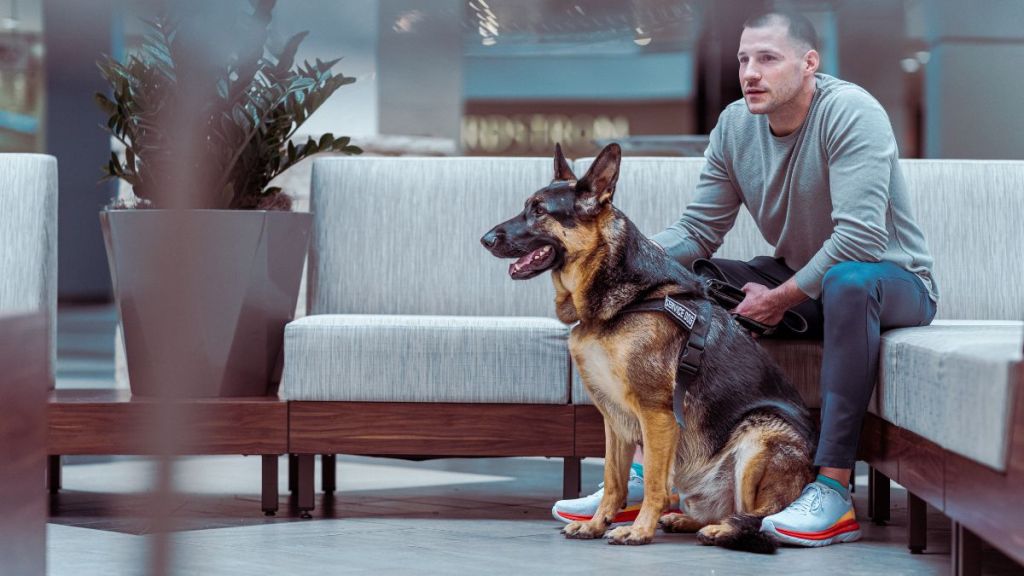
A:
(529, 262)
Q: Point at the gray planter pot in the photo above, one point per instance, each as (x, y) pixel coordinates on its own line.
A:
(203, 296)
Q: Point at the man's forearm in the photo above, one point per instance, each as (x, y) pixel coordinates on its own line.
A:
(787, 295)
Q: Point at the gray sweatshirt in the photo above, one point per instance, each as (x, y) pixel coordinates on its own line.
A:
(830, 192)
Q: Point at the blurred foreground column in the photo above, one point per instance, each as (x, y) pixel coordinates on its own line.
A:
(24, 385)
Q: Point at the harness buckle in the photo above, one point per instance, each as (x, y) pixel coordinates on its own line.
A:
(690, 360)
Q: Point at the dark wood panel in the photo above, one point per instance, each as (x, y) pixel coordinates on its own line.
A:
(589, 432)
(113, 422)
(923, 466)
(430, 429)
(24, 381)
(991, 503)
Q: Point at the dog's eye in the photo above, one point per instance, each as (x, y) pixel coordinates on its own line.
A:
(538, 210)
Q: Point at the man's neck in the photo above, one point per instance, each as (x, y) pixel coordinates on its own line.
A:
(789, 117)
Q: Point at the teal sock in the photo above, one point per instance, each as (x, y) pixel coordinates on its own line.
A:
(835, 485)
(638, 468)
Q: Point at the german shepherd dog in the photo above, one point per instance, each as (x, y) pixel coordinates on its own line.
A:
(739, 457)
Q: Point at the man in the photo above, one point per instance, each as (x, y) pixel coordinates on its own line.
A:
(814, 160)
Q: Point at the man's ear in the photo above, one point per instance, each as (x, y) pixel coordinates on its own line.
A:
(562, 170)
(597, 186)
(812, 61)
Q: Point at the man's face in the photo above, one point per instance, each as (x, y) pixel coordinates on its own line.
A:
(771, 68)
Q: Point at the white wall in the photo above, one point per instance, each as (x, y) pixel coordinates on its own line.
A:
(338, 29)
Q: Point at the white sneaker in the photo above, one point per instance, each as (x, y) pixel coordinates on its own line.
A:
(819, 517)
(583, 509)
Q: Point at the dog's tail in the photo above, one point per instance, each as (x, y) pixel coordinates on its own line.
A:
(746, 535)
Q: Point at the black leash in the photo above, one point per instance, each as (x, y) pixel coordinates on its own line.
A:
(696, 324)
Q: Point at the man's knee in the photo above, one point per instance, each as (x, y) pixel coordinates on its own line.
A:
(849, 281)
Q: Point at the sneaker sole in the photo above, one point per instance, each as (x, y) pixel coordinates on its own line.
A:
(843, 532)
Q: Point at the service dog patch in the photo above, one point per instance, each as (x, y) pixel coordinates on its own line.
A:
(680, 313)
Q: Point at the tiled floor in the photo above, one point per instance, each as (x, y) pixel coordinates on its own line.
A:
(452, 516)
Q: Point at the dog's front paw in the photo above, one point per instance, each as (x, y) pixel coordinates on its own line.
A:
(583, 530)
(630, 535)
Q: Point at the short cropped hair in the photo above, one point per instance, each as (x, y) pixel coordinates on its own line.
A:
(799, 27)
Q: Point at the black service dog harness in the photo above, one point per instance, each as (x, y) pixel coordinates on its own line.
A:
(696, 325)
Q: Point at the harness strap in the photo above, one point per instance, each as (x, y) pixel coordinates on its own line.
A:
(696, 324)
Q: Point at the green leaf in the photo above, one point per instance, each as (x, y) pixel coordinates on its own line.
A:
(310, 148)
(286, 57)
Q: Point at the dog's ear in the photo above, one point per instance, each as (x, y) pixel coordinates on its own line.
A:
(597, 186)
(562, 170)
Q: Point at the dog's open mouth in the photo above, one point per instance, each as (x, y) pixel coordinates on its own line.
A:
(533, 263)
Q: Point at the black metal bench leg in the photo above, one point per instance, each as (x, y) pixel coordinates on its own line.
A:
(270, 494)
(304, 484)
(878, 497)
(917, 524)
(571, 477)
(53, 472)
(328, 471)
(293, 472)
(966, 552)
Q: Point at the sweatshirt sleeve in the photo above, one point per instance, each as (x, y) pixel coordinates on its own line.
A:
(860, 147)
(711, 213)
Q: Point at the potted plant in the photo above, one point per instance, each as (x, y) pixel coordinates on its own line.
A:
(206, 259)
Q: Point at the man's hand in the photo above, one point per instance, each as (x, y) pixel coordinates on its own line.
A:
(768, 305)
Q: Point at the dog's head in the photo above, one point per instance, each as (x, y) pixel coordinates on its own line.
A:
(559, 220)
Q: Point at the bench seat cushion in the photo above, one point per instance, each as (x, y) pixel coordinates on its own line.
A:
(953, 383)
(393, 358)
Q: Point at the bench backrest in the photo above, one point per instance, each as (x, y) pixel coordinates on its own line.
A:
(401, 235)
(28, 239)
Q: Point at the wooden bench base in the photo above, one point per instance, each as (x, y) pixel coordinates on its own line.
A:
(425, 430)
(113, 422)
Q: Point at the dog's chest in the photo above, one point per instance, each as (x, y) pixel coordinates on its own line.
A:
(597, 365)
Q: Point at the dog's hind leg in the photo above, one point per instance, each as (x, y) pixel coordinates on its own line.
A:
(660, 435)
(618, 457)
(768, 478)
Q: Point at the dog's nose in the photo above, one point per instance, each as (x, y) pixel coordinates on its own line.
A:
(490, 240)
